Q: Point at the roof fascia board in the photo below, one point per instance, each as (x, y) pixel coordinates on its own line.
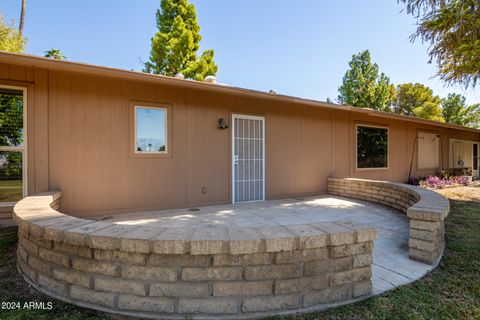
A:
(83, 68)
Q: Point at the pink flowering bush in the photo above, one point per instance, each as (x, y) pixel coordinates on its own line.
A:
(436, 182)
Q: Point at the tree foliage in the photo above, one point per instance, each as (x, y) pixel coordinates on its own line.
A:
(11, 119)
(11, 132)
(175, 45)
(452, 28)
(363, 86)
(55, 54)
(372, 147)
(456, 111)
(417, 100)
(10, 38)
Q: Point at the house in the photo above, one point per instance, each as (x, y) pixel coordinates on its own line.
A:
(115, 141)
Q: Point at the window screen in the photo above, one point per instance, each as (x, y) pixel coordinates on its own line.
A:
(428, 151)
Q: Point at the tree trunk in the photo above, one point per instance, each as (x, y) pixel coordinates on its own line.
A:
(22, 17)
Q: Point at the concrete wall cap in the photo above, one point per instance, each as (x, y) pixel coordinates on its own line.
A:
(36, 211)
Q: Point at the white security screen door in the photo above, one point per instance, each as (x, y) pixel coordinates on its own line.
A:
(248, 158)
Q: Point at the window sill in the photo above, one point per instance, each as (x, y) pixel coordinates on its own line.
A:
(368, 169)
(136, 155)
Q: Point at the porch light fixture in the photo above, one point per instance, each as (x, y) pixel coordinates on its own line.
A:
(222, 124)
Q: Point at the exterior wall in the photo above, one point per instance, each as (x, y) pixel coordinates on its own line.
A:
(401, 146)
(78, 142)
(89, 155)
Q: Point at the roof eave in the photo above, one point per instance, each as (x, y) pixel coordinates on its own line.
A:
(84, 68)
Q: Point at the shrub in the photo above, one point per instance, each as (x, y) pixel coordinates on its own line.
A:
(436, 182)
(415, 180)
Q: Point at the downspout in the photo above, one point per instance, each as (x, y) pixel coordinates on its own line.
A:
(441, 153)
(413, 153)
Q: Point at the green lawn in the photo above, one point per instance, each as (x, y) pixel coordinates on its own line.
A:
(452, 291)
(10, 190)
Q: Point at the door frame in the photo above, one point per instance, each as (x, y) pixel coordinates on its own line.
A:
(452, 143)
(232, 155)
(23, 149)
(475, 172)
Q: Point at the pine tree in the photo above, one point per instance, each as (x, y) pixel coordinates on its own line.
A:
(175, 45)
(364, 87)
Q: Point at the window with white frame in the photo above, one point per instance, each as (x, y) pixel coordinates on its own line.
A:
(151, 130)
(12, 144)
(428, 150)
(372, 147)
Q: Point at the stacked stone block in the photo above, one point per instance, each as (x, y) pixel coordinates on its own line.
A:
(425, 209)
(252, 273)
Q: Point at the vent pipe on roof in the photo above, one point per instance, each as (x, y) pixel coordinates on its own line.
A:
(272, 91)
(210, 79)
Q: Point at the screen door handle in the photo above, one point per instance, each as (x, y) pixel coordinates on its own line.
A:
(235, 159)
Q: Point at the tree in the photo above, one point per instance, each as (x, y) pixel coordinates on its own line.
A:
(452, 29)
(363, 87)
(55, 54)
(11, 119)
(10, 39)
(456, 111)
(205, 66)
(11, 132)
(473, 118)
(22, 17)
(175, 45)
(417, 100)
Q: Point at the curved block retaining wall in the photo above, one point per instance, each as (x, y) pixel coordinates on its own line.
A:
(205, 273)
(425, 209)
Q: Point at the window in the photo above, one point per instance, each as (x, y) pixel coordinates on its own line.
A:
(150, 130)
(12, 144)
(428, 151)
(372, 147)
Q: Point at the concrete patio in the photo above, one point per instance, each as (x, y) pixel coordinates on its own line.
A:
(391, 265)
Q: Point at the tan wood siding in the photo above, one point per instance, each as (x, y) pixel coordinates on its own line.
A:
(79, 143)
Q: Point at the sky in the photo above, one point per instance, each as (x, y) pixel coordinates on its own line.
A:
(299, 48)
